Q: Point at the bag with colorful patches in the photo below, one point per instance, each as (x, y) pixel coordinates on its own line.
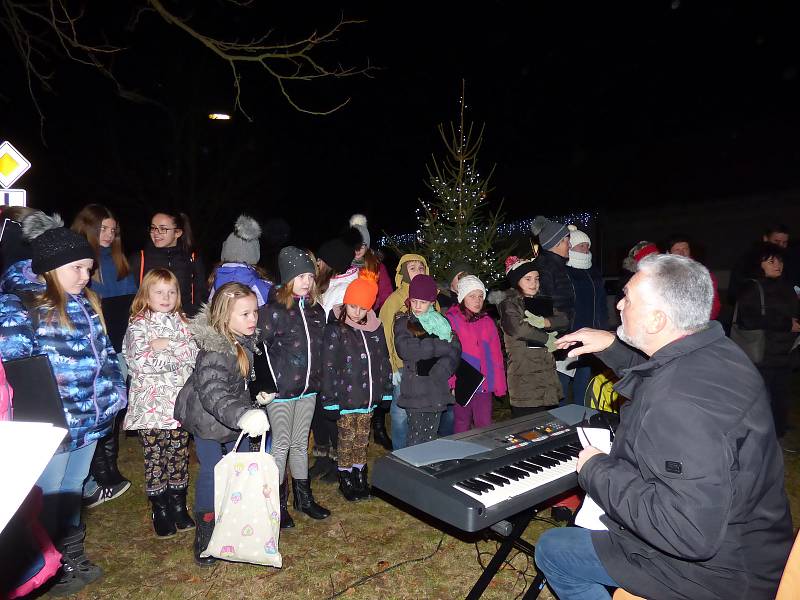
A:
(247, 508)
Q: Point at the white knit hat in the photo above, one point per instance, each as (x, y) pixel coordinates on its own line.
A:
(576, 236)
(467, 284)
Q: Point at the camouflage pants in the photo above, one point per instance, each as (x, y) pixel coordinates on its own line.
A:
(353, 439)
(166, 459)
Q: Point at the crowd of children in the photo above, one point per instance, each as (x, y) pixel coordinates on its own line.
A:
(330, 347)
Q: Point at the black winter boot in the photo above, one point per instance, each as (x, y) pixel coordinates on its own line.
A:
(110, 447)
(304, 500)
(163, 524)
(286, 519)
(346, 486)
(360, 482)
(379, 433)
(176, 502)
(74, 561)
(202, 536)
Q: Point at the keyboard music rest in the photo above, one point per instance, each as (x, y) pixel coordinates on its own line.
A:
(438, 489)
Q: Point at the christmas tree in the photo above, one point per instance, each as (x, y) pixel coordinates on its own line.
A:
(456, 225)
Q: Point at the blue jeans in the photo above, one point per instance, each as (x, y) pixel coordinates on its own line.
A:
(62, 486)
(447, 423)
(399, 419)
(566, 557)
(579, 384)
(209, 454)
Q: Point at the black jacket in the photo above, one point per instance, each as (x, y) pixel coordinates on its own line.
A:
(555, 282)
(188, 268)
(591, 307)
(355, 366)
(780, 306)
(215, 396)
(693, 489)
(293, 341)
(429, 392)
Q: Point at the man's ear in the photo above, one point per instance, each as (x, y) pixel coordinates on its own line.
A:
(656, 321)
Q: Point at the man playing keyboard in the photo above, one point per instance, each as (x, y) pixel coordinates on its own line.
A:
(693, 489)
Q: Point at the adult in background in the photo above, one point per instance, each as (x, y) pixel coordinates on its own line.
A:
(591, 309)
(172, 247)
(777, 234)
(693, 488)
(779, 322)
(682, 246)
(114, 283)
(554, 281)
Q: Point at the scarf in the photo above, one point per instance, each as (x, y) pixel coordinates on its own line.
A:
(436, 324)
(578, 260)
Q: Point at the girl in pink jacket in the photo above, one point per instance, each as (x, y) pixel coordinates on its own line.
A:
(480, 347)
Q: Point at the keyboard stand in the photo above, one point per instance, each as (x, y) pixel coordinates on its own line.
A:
(510, 542)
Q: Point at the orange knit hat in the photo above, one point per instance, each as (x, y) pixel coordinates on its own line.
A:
(363, 290)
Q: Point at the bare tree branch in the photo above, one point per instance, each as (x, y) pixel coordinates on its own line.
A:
(33, 25)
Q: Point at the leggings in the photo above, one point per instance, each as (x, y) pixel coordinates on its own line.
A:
(423, 426)
(290, 422)
(166, 459)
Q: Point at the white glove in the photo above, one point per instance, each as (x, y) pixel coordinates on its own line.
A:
(396, 377)
(551, 341)
(263, 398)
(254, 422)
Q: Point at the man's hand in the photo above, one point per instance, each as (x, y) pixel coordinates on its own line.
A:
(593, 340)
(585, 455)
(159, 344)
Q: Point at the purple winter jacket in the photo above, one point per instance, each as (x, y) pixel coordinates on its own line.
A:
(480, 347)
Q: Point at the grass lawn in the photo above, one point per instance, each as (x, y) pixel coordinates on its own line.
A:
(321, 558)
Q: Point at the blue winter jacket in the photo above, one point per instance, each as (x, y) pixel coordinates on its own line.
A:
(83, 359)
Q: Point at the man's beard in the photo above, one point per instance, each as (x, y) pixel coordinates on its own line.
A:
(631, 341)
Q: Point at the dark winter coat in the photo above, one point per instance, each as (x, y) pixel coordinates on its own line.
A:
(780, 306)
(216, 395)
(84, 362)
(430, 393)
(554, 282)
(356, 374)
(188, 268)
(693, 488)
(531, 370)
(591, 308)
(293, 341)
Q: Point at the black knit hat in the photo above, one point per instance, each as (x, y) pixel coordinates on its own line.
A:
(52, 244)
(337, 254)
(293, 261)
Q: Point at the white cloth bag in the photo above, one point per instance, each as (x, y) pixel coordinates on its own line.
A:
(247, 508)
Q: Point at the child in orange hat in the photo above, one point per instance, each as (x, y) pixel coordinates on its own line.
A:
(356, 377)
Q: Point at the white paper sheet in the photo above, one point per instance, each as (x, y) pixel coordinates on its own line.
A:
(589, 515)
(26, 449)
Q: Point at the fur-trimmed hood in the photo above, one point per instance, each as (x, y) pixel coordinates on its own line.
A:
(211, 340)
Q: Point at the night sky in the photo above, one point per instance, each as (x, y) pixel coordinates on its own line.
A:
(595, 106)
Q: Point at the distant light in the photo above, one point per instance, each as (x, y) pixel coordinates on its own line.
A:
(219, 116)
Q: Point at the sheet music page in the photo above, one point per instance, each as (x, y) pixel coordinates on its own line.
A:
(32, 445)
(589, 515)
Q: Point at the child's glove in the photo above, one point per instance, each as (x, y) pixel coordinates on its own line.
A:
(534, 320)
(264, 398)
(550, 344)
(254, 422)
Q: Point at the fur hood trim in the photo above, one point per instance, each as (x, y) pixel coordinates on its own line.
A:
(211, 340)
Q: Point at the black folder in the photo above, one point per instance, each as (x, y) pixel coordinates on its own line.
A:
(36, 395)
(468, 381)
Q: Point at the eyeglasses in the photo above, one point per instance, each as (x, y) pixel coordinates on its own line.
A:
(162, 230)
(107, 229)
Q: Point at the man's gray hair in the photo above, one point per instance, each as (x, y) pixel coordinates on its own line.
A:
(683, 285)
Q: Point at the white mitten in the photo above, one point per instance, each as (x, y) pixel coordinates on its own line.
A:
(263, 398)
(254, 422)
(396, 377)
(551, 341)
